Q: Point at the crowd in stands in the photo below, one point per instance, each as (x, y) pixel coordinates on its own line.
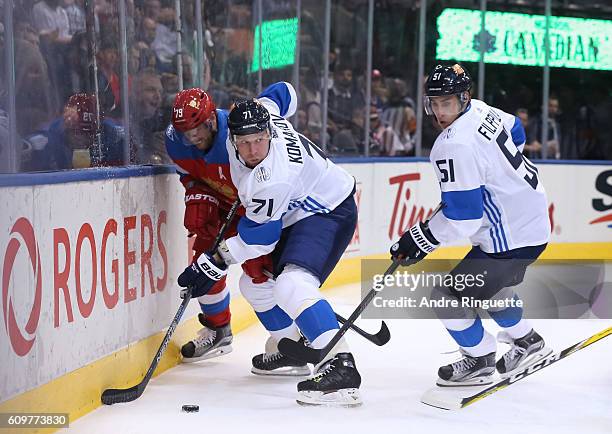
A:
(70, 113)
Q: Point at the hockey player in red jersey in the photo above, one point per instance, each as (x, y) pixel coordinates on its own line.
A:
(195, 140)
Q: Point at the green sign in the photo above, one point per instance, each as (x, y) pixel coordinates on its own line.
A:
(278, 41)
(519, 39)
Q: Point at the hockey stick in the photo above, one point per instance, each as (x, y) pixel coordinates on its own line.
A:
(437, 398)
(312, 355)
(380, 338)
(114, 396)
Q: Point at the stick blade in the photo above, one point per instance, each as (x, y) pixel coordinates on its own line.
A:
(116, 396)
(444, 398)
(383, 336)
(298, 351)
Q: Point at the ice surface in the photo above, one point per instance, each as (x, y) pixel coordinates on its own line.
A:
(574, 395)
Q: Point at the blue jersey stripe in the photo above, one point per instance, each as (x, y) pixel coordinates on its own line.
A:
(491, 233)
(262, 234)
(518, 132)
(494, 218)
(499, 216)
(321, 207)
(279, 93)
(463, 205)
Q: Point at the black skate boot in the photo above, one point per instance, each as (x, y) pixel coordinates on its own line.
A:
(275, 363)
(469, 371)
(336, 384)
(523, 352)
(211, 342)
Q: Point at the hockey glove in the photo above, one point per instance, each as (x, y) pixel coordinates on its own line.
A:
(414, 245)
(258, 269)
(202, 214)
(201, 275)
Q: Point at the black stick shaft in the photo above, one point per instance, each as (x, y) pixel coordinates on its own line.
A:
(112, 396)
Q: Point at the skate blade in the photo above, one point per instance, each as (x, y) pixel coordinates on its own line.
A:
(339, 398)
(530, 360)
(295, 371)
(477, 381)
(215, 352)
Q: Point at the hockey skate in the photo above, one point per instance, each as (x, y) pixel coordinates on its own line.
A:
(275, 363)
(210, 342)
(523, 352)
(336, 384)
(469, 371)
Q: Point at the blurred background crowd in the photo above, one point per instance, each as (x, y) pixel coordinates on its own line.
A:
(91, 83)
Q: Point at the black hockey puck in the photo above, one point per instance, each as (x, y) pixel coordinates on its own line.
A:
(188, 408)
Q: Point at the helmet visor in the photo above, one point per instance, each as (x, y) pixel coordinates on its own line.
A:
(450, 105)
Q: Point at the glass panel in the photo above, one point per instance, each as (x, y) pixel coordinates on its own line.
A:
(394, 79)
(580, 102)
(152, 49)
(346, 95)
(229, 48)
(279, 42)
(57, 112)
(312, 51)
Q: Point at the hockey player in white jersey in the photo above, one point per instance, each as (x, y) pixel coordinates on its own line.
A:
(300, 207)
(492, 195)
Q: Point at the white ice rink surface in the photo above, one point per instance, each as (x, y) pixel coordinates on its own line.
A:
(572, 396)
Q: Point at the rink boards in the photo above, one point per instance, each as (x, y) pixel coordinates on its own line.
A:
(90, 260)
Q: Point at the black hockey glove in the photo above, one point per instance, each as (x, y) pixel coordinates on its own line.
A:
(414, 245)
(201, 275)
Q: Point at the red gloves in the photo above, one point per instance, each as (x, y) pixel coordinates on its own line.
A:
(254, 268)
(202, 216)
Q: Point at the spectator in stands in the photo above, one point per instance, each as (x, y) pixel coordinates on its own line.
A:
(33, 100)
(383, 140)
(80, 74)
(344, 102)
(555, 134)
(69, 141)
(164, 44)
(532, 148)
(109, 83)
(51, 21)
(76, 16)
(148, 120)
(380, 92)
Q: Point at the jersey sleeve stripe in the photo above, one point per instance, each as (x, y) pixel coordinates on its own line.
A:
(283, 95)
(463, 204)
(518, 132)
(316, 204)
(262, 234)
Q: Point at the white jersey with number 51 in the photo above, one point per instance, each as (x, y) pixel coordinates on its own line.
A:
(492, 192)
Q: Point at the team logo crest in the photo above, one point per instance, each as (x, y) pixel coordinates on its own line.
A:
(194, 103)
(262, 174)
(458, 69)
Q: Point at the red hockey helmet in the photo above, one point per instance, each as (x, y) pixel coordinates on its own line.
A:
(191, 108)
(80, 114)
